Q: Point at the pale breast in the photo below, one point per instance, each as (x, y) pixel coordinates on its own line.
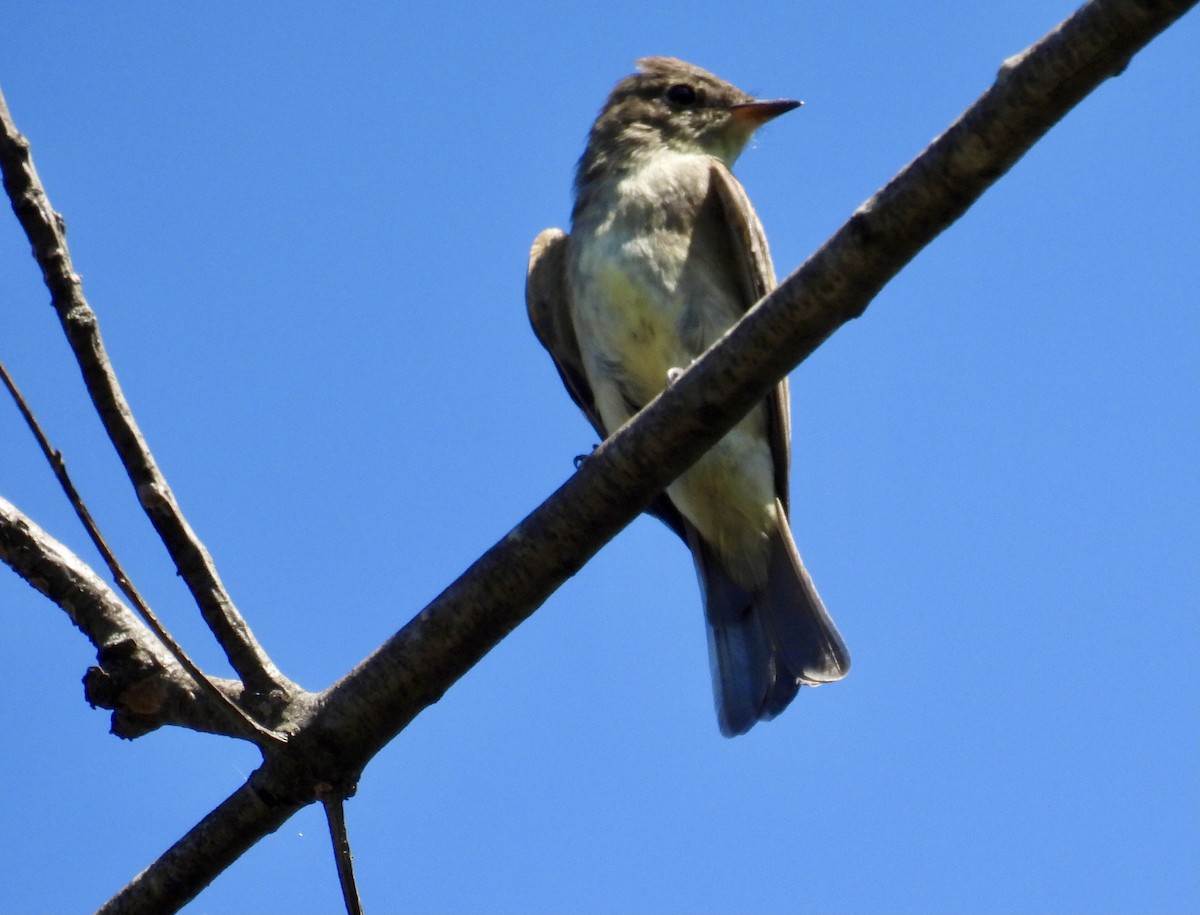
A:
(643, 301)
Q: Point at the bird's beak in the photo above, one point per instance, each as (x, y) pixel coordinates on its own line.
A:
(757, 113)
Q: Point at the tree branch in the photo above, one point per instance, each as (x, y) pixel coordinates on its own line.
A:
(47, 234)
(364, 710)
(209, 847)
(137, 678)
(241, 724)
(1032, 92)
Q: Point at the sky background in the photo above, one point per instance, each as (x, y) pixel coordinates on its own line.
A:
(305, 229)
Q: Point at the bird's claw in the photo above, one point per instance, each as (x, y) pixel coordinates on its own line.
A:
(581, 459)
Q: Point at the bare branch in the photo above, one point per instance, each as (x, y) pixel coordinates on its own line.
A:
(361, 713)
(210, 846)
(242, 724)
(137, 677)
(47, 234)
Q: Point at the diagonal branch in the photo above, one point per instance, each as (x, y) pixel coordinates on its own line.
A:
(47, 234)
(211, 846)
(363, 711)
(1031, 93)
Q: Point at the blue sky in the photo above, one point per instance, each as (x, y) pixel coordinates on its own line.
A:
(305, 230)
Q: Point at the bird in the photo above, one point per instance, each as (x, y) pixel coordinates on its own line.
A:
(664, 254)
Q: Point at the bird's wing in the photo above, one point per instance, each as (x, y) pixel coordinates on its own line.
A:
(751, 261)
(546, 299)
(548, 303)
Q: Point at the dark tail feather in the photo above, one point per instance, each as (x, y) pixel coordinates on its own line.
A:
(802, 631)
(764, 645)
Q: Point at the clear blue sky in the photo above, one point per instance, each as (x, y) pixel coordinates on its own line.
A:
(304, 229)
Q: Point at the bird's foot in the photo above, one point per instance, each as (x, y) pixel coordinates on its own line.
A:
(581, 459)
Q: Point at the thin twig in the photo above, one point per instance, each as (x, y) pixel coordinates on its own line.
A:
(250, 728)
(335, 816)
(46, 233)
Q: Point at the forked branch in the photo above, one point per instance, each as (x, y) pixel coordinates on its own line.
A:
(47, 235)
(240, 723)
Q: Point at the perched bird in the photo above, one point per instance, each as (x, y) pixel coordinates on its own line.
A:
(665, 253)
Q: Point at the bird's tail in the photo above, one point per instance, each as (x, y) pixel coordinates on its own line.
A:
(765, 643)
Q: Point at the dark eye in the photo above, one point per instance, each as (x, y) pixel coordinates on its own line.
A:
(681, 94)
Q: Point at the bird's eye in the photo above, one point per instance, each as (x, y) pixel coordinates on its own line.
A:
(682, 94)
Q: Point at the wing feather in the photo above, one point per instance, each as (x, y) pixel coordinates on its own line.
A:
(547, 300)
(756, 276)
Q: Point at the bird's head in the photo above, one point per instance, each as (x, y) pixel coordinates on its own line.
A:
(672, 104)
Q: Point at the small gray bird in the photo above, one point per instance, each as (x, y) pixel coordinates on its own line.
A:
(665, 253)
